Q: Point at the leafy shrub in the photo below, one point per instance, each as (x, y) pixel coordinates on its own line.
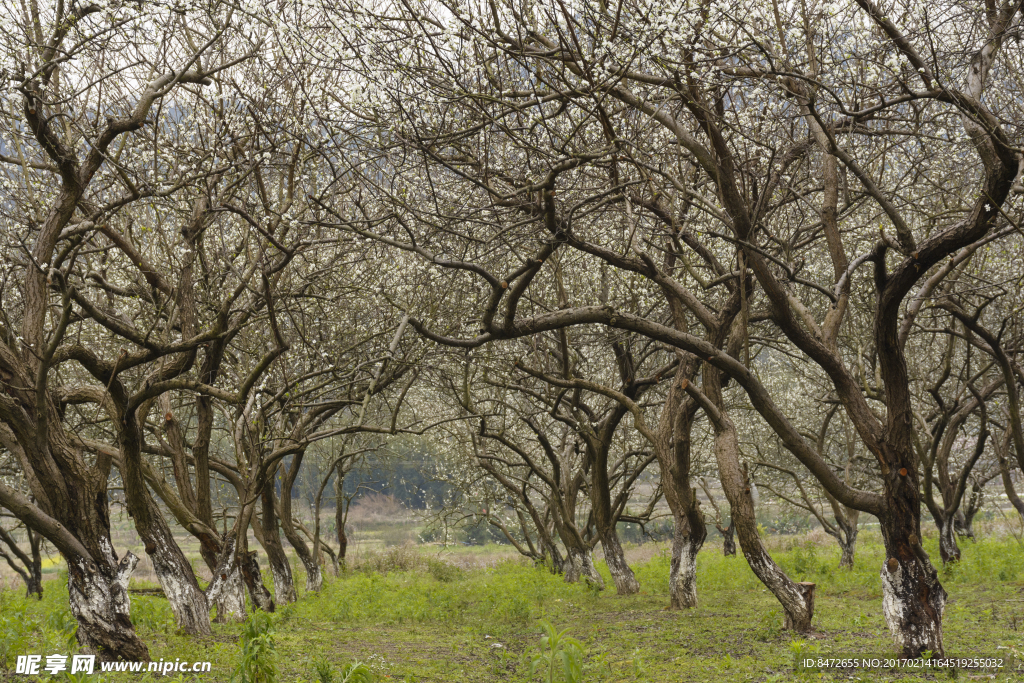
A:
(803, 561)
(12, 623)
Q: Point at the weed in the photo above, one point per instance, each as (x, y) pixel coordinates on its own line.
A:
(772, 626)
(560, 658)
(153, 614)
(356, 672)
(257, 663)
(324, 670)
(80, 677)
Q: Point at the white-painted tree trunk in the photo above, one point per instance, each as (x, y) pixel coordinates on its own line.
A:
(682, 576)
(622, 576)
(178, 581)
(314, 577)
(102, 607)
(284, 584)
(949, 550)
(230, 602)
(913, 607)
(579, 566)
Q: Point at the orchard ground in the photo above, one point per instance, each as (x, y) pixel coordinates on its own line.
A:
(417, 613)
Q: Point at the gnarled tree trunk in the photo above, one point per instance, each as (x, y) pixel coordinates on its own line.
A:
(913, 600)
(728, 538)
(673, 444)
(847, 547)
(314, 578)
(623, 577)
(682, 578)
(250, 568)
(949, 550)
(579, 566)
(339, 514)
(796, 600)
(230, 602)
(173, 570)
(99, 600)
(280, 568)
(604, 519)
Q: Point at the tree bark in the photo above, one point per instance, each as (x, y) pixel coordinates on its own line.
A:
(230, 600)
(797, 604)
(249, 566)
(601, 507)
(339, 514)
(173, 570)
(673, 447)
(280, 568)
(176, 577)
(949, 551)
(34, 585)
(623, 577)
(963, 522)
(236, 560)
(579, 566)
(912, 597)
(848, 547)
(230, 603)
(728, 539)
(99, 600)
(682, 577)
(314, 578)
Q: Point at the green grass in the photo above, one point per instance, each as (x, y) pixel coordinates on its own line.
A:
(421, 621)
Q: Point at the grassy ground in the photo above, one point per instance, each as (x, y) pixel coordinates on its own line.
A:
(410, 616)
